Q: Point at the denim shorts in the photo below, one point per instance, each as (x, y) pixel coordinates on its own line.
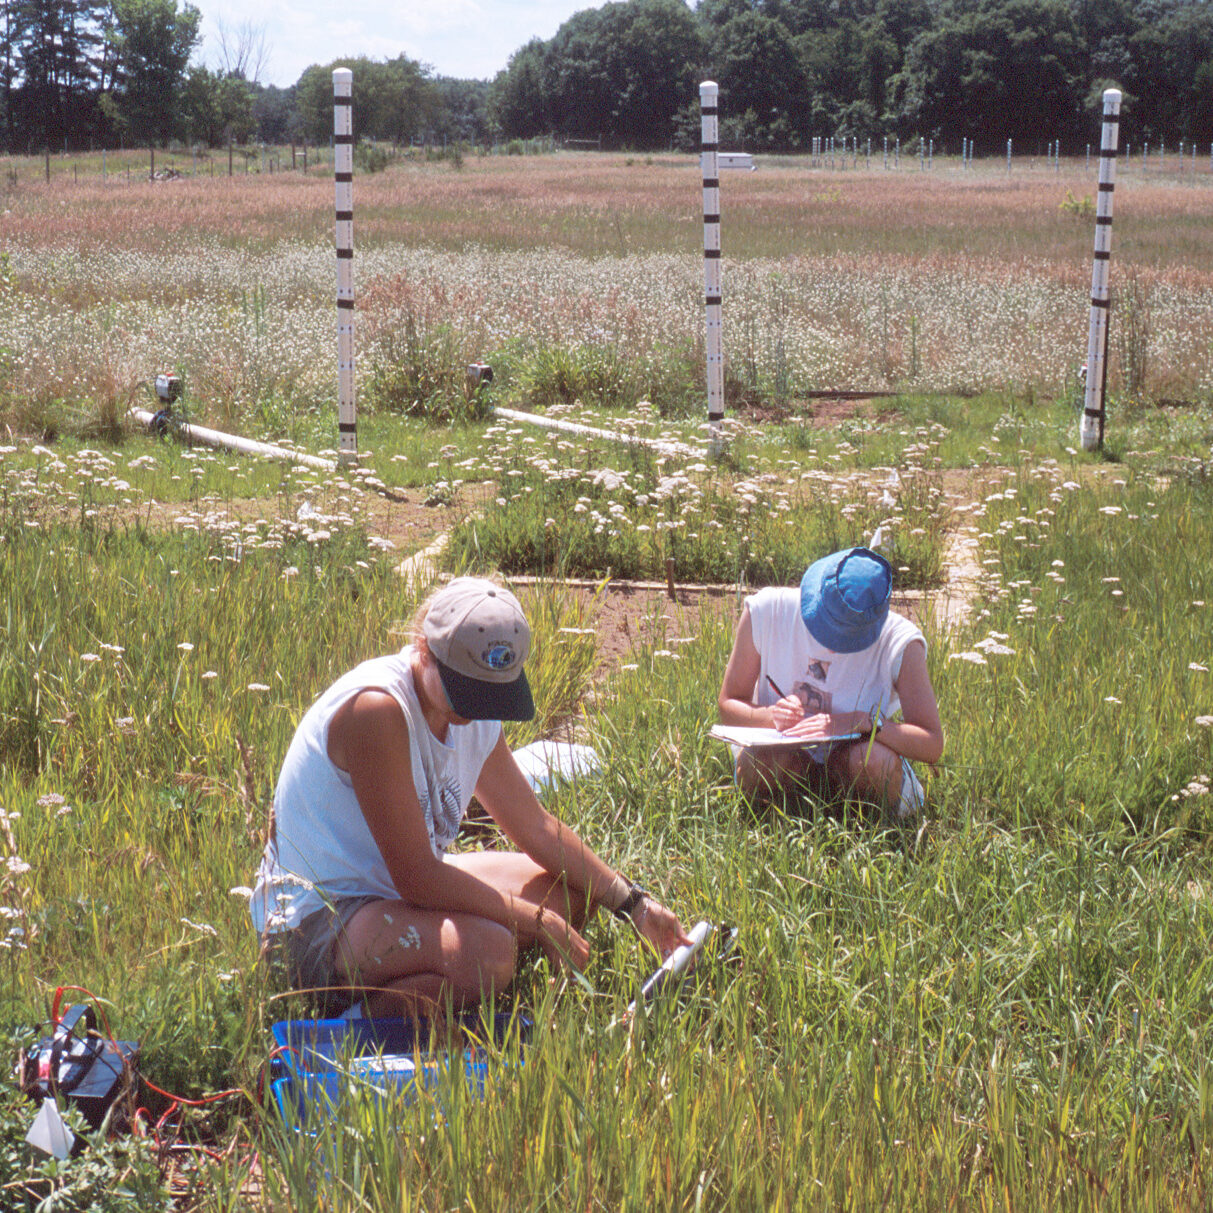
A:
(308, 953)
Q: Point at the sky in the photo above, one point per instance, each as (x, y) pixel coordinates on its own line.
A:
(463, 38)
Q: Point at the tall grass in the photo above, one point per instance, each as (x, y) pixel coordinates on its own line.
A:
(1005, 1004)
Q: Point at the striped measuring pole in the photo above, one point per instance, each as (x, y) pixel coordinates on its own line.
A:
(710, 169)
(1094, 411)
(343, 176)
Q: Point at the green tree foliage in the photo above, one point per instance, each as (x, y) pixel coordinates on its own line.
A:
(988, 70)
(756, 64)
(520, 103)
(394, 99)
(619, 73)
(1008, 69)
(216, 107)
(61, 56)
(153, 40)
(463, 112)
(73, 72)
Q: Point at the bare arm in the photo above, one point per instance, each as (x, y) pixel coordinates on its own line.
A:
(505, 793)
(368, 739)
(918, 735)
(740, 679)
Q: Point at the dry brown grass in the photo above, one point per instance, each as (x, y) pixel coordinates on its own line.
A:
(946, 280)
(613, 205)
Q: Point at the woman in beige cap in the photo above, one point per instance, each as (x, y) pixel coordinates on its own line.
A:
(355, 886)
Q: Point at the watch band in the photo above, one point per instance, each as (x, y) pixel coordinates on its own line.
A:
(635, 896)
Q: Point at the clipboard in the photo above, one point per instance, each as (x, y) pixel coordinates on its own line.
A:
(772, 739)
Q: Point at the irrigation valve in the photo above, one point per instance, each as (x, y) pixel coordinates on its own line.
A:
(480, 375)
(168, 388)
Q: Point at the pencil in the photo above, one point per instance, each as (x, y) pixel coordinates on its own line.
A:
(775, 687)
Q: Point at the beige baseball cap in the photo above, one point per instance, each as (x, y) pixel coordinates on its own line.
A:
(480, 639)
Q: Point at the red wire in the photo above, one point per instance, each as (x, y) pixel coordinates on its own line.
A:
(109, 1036)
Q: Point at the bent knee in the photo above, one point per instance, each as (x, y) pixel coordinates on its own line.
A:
(479, 955)
(874, 767)
(763, 772)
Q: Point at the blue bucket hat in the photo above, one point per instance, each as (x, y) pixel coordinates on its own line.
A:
(844, 599)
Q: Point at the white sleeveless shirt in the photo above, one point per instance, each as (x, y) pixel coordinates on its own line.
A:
(823, 680)
(322, 849)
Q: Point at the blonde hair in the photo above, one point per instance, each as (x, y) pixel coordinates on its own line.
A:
(412, 632)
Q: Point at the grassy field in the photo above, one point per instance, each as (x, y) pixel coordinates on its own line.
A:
(580, 278)
(1003, 1005)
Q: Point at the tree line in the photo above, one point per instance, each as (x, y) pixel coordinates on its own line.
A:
(986, 70)
(77, 73)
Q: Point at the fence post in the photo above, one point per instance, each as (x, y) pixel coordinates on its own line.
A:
(343, 176)
(709, 168)
(1094, 406)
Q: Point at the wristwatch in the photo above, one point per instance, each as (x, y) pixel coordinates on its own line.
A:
(875, 720)
(635, 896)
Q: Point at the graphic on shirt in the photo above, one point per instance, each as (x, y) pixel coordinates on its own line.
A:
(818, 670)
(815, 699)
(442, 824)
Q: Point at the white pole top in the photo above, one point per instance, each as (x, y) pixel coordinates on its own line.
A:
(1111, 96)
(708, 90)
(343, 75)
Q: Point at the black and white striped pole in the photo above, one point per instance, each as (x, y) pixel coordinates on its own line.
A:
(1094, 410)
(710, 169)
(343, 175)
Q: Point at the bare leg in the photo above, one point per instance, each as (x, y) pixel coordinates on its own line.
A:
(868, 769)
(517, 874)
(763, 773)
(408, 959)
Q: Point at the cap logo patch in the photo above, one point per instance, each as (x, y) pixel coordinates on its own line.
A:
(499, 656)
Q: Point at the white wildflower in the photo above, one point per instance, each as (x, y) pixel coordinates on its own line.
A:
(972, 658)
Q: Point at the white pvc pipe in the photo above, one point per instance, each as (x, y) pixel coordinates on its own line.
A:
(232, 442)
(1092, 425)
(573, 427)
(343, 176)
(710, 170)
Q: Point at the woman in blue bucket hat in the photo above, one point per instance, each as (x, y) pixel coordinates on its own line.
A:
(829, 663)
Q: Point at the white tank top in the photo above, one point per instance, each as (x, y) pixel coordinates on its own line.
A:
(322, 849)
(825, 681)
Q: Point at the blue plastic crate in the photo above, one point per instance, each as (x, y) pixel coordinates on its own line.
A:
(322, 1059)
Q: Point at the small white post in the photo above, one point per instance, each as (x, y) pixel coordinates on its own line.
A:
(343, 176)
(709, 168)
(1093, 413)
(1008, 155)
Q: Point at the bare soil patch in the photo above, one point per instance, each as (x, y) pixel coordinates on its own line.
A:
(822, 412)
